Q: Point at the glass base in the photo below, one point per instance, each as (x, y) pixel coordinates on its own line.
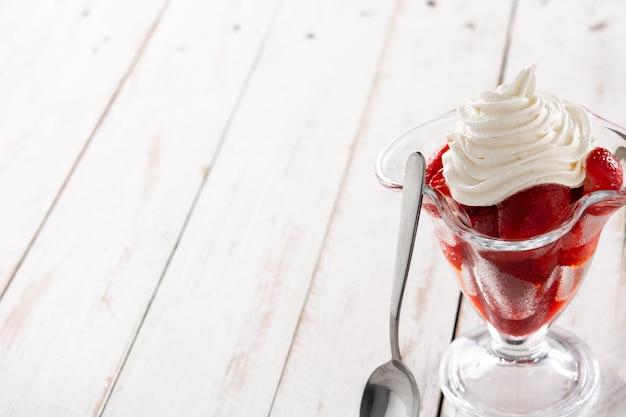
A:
(558, 380)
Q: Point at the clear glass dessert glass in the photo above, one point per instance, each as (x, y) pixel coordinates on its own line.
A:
(519, 365)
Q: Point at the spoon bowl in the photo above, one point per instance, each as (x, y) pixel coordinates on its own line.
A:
(391, 389)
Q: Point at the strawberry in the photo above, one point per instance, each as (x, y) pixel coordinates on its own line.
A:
(579, 244)
(533, 266)
(603, 171)
(532, 211)
(455, 253)
(434, 171)
(484, 219)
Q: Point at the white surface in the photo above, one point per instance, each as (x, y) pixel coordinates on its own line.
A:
(191, 224)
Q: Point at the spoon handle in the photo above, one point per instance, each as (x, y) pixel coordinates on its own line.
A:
(409, 216)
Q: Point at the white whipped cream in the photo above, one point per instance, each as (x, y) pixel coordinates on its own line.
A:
(513, 138)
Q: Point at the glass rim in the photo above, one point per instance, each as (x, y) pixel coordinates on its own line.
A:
(455, 218)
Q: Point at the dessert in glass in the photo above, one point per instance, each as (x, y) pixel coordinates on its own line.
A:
(519, 185)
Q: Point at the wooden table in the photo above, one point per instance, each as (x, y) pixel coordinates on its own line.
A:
(190, 221)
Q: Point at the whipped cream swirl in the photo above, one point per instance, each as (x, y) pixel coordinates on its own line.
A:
(513, 138)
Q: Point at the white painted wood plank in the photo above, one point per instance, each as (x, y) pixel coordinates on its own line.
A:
(579, 57)
(69, 316)
(343, 332)
(594, 77)
(60, 64)
(219, 330)
(578, 60)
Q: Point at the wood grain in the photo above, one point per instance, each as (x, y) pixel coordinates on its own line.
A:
(61, 64)
(343, 332)
(190, 220)
(71, 313)
(220, 328)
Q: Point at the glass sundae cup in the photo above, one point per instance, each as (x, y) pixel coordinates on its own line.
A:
(519, 365)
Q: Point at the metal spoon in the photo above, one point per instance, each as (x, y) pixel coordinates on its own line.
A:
(391, 390)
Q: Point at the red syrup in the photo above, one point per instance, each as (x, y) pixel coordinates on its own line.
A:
(518, 292)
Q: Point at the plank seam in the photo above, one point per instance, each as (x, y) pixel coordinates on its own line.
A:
(103, 116)
(452, 337)
(192, 207)
(82, 151)
(507, 42)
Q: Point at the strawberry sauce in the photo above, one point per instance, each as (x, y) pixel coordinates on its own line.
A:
(520, 291)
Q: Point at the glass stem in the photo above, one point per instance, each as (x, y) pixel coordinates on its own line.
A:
(530, 349)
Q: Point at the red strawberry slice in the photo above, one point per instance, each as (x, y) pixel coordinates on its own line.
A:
(603, 171)
(534, 265)
(484, 219)
(532, 211)
(434, 171)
